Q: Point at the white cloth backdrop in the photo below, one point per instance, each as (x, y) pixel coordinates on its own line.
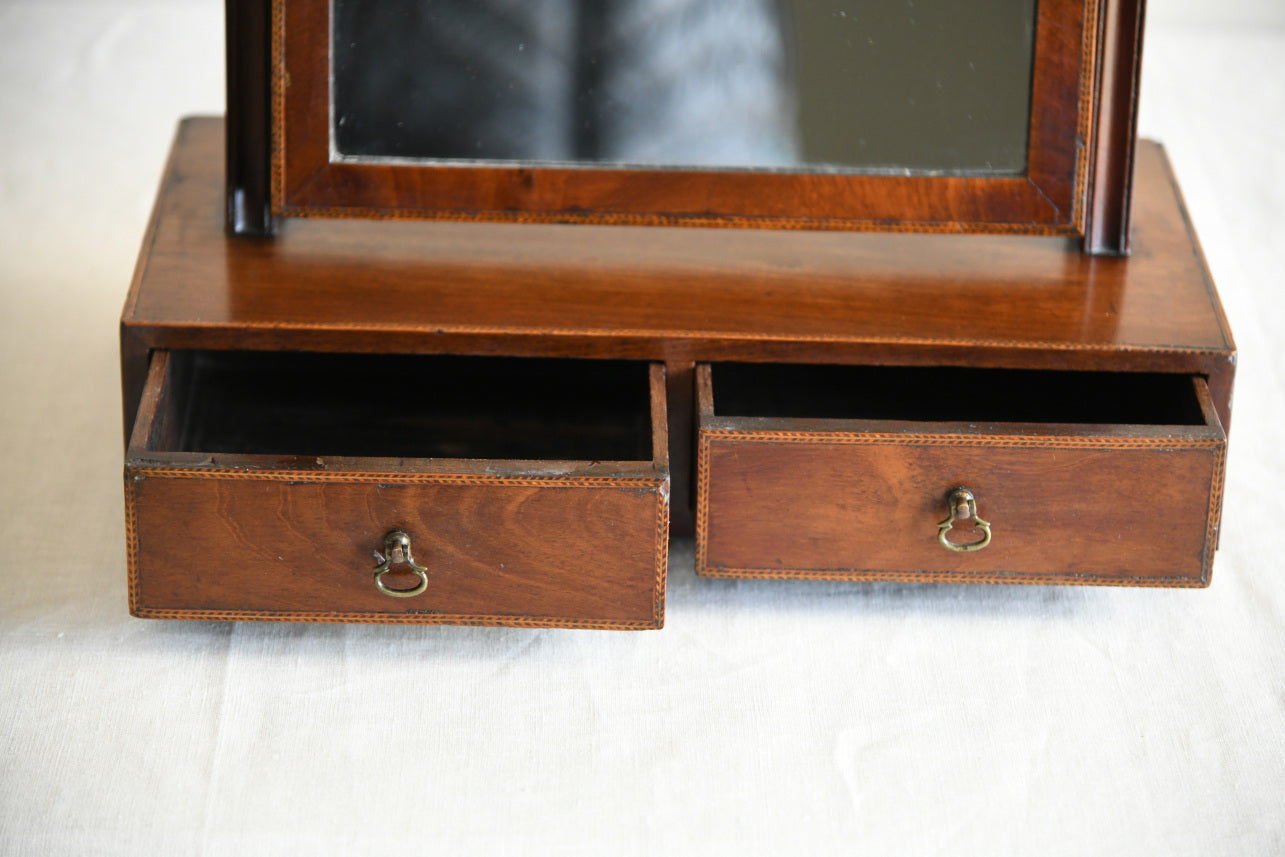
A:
(765, 718)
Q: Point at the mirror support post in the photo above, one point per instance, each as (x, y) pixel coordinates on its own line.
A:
(249, 79)
(1110, 180)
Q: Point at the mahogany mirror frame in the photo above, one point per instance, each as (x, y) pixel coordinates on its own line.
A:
(1077, 181)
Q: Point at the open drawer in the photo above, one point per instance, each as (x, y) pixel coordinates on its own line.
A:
(399, 488)
(866, 473)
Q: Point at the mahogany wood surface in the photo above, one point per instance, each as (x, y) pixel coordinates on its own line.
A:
(1048, 199)
(1116, 118)
(228, 536)
(249, 96)
(671, 294)
(861, 499)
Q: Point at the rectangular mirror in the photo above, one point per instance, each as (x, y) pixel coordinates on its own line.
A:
(934, 86)
(924, 115)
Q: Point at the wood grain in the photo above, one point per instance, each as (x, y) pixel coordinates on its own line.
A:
(861, 499)
(548, 544)
(548, 551)
(1115, 135)
(676, 296)
(671, 294)
(249, 97)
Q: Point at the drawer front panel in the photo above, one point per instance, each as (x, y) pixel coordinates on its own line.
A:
(582, 551)
(1119, 510)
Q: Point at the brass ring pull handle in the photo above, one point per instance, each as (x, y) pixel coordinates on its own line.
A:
(963, 507)
(397, 550)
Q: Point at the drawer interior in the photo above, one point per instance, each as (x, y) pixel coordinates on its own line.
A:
(935, 394)
(395, 405)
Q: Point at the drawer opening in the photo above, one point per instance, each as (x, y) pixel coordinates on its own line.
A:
(950, 394)
(406, 406)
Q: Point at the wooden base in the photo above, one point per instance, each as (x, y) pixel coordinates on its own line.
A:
(673, 297)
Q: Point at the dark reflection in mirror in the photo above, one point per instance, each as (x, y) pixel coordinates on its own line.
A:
(902, 85)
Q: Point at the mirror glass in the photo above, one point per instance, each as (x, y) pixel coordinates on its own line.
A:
(862, 86)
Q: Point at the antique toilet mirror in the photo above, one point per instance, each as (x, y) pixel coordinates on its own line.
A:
(434, 327)
(1010, 116)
